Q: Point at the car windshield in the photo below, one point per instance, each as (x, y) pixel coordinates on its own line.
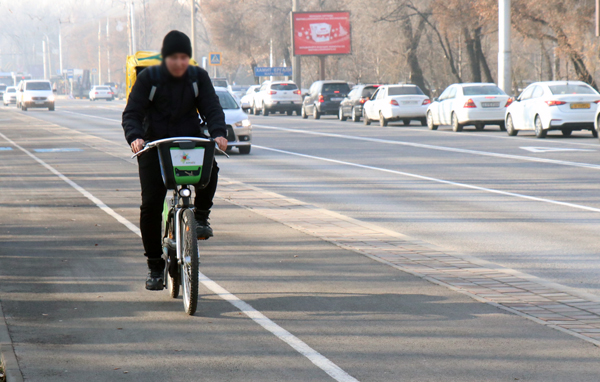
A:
(336, 87)
(2, 87)
(404, 90)
(38, 86)
(284, 87)
(571, 89)
(11, 90)
(102, 88)
(482, 90)
(227, 101)
(220, 83)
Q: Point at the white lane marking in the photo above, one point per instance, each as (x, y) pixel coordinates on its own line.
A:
(91, 116)
(462, 185)
(439, 148)
(297, 344)
(534, 149)
(397, 128)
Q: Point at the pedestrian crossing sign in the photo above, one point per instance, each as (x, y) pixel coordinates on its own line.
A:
(214, 59)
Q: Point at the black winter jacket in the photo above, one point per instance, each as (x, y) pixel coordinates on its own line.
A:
(173, 111)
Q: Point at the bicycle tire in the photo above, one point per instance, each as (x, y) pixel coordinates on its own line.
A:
(173, 277)
(190, 265)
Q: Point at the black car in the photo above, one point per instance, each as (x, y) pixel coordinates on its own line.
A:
(352, 105)
(324, 98)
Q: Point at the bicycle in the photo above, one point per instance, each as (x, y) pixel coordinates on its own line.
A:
(182, 165)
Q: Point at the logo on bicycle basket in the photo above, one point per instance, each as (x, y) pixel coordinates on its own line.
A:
(193, 157)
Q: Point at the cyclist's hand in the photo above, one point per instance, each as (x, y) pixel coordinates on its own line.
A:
(137, 145)
(222, 142)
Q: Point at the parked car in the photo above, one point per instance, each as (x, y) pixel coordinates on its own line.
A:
(3, 89)
(324, 97)
(352, 105)
(477, 104)
(102, 92)
(35, 94)
(239, 128)
(554, 105)
(396, 103)
(277, 96)
(10, 95)
(221, 82)
(247, 101)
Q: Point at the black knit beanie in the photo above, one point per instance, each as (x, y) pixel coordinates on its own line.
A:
(176, 42)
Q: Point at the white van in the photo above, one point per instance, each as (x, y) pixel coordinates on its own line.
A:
(35, 93)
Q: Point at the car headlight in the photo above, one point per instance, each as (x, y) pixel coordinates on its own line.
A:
(27, 98)
(244, 123)
(51, 98)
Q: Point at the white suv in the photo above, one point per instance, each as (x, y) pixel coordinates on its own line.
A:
(281, 96)
(35, 93)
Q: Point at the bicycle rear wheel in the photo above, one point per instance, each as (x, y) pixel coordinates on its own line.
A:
(189, 267)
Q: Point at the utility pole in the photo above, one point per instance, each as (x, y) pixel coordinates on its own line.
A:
(107, 49)
(504, 53)
(597, 18)
(132, 13)
(60, 60)
(296, 60)
(193, 25)
(44, 55)
(100, 53)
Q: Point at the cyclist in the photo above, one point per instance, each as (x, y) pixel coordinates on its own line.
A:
(164, 103)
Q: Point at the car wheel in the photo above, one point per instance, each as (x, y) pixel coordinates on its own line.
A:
(595, 133)
(502, 126)
(539, 128)
(456, 127)
(23, 107)
(423, 121)
(303, 113)
(254, 110)
(382, 121)
(366, 118)
(510, 127)
(51, 107)
(479, 126)
(341, 116)
(430, 123)
(406, 122)
(265, 111)
(567, 133)
(316, 114)
(355, 117)
(290, 112)
(245, 149)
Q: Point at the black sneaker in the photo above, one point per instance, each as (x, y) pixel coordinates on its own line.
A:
(155, 279)
(203, 230)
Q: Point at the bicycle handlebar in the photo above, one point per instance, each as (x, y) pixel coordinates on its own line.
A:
(151, 145)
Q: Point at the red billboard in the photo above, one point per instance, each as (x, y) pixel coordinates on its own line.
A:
(321, 33)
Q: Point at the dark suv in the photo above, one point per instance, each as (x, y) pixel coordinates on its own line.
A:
(324, 97)
(352, 105)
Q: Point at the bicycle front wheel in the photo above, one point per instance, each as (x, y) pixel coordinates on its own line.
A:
(189, 267)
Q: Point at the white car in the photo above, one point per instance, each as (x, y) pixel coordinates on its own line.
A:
(239, 128)
(101, 92)
(477, 104)
(281, 96)
(10, 95)
(396, 102)
(35, 94)
(247, 100)
(554, 105)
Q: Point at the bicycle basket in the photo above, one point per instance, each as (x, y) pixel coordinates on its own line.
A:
(186, 163)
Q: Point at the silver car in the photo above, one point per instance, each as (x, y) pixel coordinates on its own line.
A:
(239, 128)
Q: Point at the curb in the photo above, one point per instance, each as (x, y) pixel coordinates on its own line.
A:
(7, 353)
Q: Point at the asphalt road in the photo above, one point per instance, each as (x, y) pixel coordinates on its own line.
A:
(72, 276)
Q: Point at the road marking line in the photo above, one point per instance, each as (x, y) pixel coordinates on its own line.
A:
(297, 344)
(91, 116)
(422, 177)
(439, 148)
(534, 149)
(58, 150)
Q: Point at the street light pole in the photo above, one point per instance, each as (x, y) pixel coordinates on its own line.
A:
(504, 53)
(44, 59)
(193, 27)
(296, 60)
(60, 57)
(107, 50)
(99, 52)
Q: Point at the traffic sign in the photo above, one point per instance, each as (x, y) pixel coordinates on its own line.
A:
(94, 70)
(214, 59)
(70, 73)
(274, 71)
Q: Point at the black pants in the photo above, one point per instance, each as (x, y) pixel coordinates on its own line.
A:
(153, 198)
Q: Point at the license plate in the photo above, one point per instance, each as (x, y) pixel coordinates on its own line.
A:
(580, 106)
(337, 99)
(490, 104)
(39, 102)
(409, 102)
